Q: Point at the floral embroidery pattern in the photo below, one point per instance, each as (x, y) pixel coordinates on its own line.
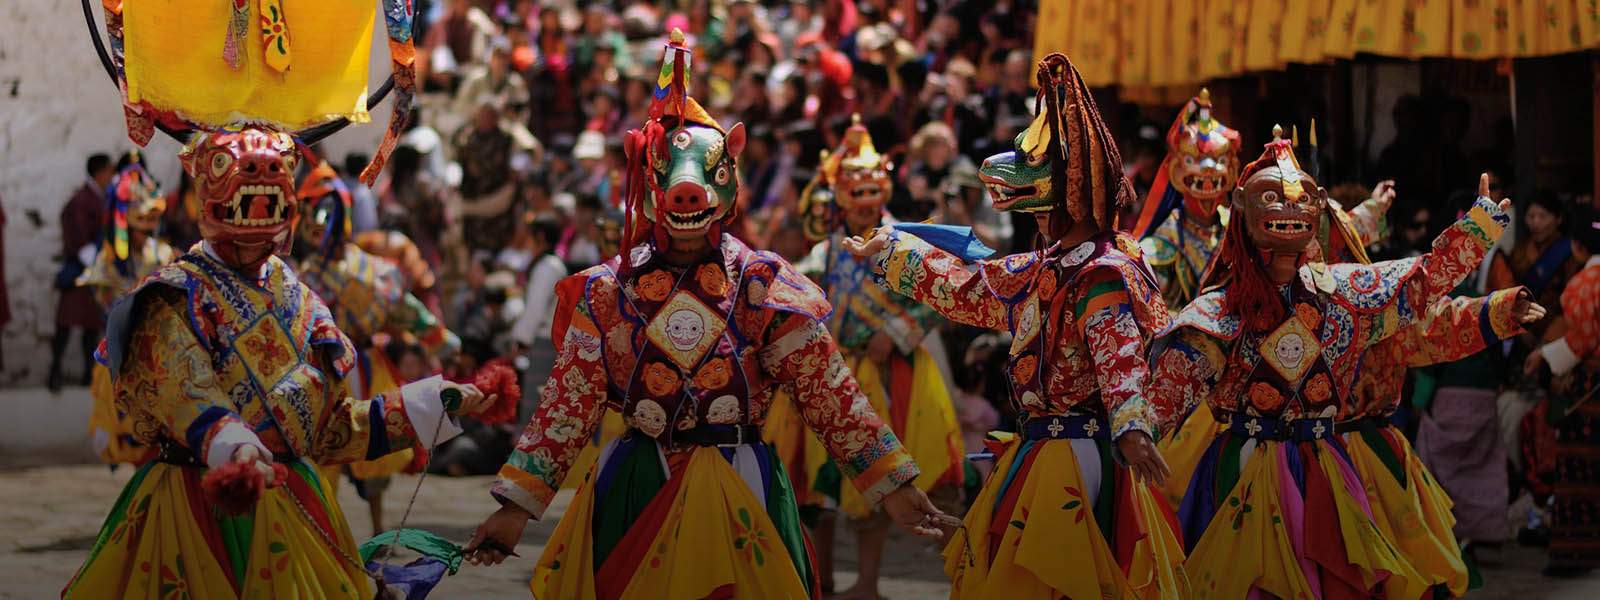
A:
(749, 540)
(275, 35)
(1075, 504)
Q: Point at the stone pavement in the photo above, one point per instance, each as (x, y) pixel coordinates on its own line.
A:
(50, 514)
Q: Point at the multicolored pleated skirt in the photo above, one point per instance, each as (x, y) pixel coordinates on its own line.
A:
(706, 522)
(1183, 448)
(1277, 508)
(162, 541)
(1410, 509)
(1059, 518)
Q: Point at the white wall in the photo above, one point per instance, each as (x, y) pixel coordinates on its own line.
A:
(56, 108)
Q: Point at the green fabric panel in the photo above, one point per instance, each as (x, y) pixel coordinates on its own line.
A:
(236, 535)
(1228, 467)
(422, 542)
(1385, 451)
(119, 511)
(829, 480)
(1105, 499)
(1422, 392)
(785, 513)
(638, 479)
(1104, 287)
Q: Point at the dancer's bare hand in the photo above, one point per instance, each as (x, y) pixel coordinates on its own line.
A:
(497, 537)
(914, 512)
(1525, 310)
(1483, 191)
(251, 455)
(867, 248)
(880, 347)
(472, 400)
(1142, 457)
(1384, 194)
(1534, 363)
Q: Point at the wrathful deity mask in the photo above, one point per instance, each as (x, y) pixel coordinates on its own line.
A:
(860, 178)
(694, 183)
(1281, 203)
(136, 192)
(1202, 155)
(245, 182)
(325, 204)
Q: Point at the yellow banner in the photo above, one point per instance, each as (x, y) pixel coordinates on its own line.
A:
(175, 60)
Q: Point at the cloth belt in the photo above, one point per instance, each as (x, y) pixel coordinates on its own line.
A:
(1373, 421)
(1275, 429)
(720, 436)
(173, 453)
(1064, 427)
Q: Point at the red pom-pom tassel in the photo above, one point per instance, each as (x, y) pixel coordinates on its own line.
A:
(235, 487)
(497, 378)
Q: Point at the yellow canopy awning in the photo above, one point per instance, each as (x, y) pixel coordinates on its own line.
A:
(1174, 42)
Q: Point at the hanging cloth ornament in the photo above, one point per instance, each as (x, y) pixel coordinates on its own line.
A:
(274, 35)
(238, 27)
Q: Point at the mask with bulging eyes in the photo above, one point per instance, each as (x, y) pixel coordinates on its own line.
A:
(695, 180)
(245, 182)
(1281, 206)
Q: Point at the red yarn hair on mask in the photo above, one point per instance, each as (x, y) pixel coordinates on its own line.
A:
(1251, 293)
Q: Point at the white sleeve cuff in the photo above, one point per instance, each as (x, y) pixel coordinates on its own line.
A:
(230, 436)
(424, 408)
(1560, 356)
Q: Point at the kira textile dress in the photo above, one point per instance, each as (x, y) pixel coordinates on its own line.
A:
(1275, 505)
(1057, 516)
(208, 360)
(684, 353)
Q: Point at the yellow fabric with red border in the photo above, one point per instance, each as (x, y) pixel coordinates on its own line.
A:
(174, 57)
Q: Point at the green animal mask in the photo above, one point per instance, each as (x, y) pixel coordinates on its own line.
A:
(695, 181)
(1018, 181)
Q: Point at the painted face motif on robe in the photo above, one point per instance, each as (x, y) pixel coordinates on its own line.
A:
(245, 182)
(1202, 156)
(1281, 203)
(685, 328)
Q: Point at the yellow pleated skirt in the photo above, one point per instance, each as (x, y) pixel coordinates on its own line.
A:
(1053, 547)
(161, 541)
(1416, 516)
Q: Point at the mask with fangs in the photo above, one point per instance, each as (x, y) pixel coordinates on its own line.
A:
(245, 181)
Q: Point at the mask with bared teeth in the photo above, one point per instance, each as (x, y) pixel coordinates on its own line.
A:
(245, 182)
